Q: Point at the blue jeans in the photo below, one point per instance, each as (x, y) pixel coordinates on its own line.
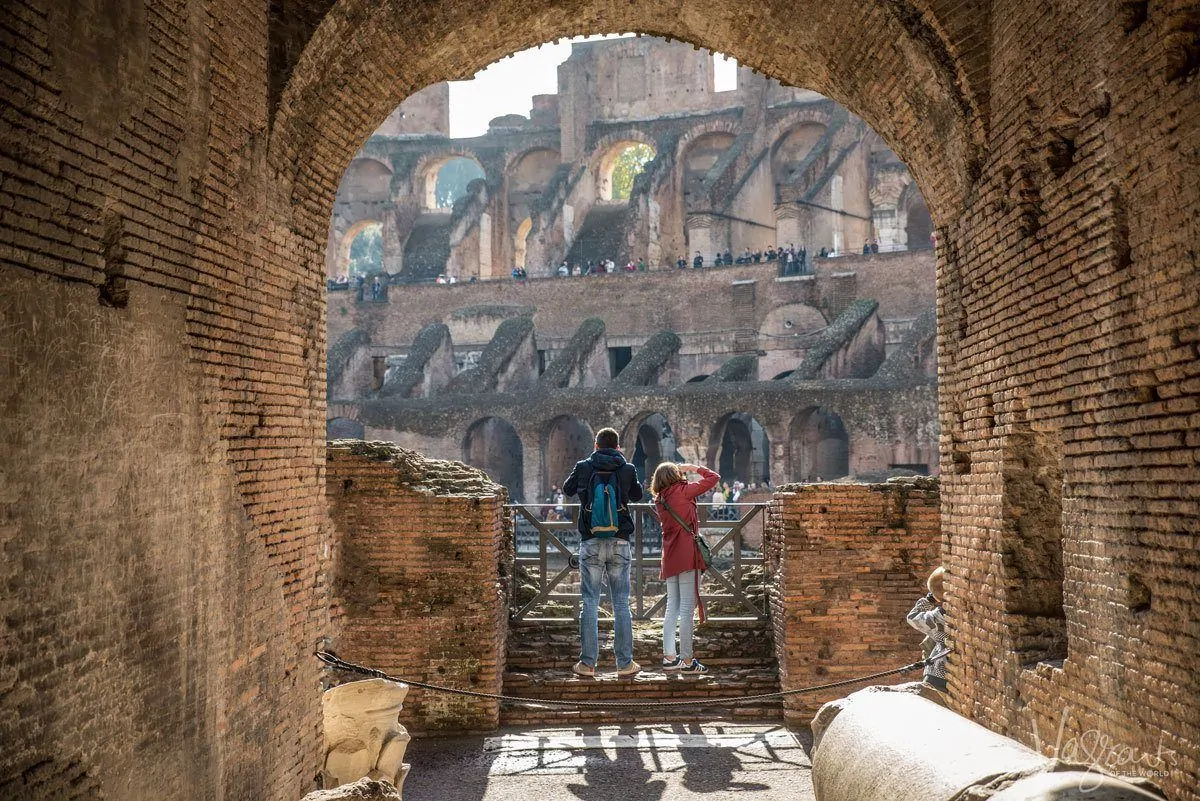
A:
(598, 558)
(681, 605)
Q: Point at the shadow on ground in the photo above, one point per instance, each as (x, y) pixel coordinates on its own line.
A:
(667, 762)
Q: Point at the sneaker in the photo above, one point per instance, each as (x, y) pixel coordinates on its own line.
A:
(693, 667)
(672, 664)
(632, 669)
(584, 669)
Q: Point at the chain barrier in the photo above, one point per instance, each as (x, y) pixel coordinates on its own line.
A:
(336, 662)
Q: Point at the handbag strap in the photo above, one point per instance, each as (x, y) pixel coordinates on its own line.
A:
(678, 519)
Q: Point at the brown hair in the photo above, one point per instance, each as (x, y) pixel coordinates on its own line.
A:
(665, 475)
(608, 438)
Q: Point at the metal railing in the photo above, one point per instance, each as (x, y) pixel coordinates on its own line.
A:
(547, 581)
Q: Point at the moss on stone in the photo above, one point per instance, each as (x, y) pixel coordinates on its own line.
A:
(838, 334)
(410, 375)
(743, 367)
(421, 474)
(574, 356)
(650, 360)
(506, 342)
(340, 354)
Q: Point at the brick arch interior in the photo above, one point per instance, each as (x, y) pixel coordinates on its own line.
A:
(820, 445)
(493, 445)
(647, 441)
(342, 263)
(605, 161)
(565, 442)
(196, 182)
(740, 450)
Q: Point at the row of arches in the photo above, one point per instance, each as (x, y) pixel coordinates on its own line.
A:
(737, 445)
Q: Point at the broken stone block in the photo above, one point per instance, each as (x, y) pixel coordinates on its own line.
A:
(363, 736)
(361, 790)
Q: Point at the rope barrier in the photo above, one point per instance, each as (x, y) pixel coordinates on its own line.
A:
(336, 662)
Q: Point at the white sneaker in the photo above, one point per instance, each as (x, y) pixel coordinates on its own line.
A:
(632, 669)
(584, 669)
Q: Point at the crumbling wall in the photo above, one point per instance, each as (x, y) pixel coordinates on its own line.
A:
(418, 587)
(848, 562)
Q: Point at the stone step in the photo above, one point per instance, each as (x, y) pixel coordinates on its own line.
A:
(650, 686)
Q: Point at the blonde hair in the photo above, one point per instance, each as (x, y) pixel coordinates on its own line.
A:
(936, 583)
(665, 475)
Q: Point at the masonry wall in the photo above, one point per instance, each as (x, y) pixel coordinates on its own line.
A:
(162, 385)
(417, 582)
(640, 304)
(1068, 369)
(849, 561)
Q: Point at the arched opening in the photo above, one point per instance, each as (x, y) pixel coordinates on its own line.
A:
(521, 242)
(365, 181)
(739, 450)
(696, 379)
(919, 226)
(364, 249)
(567, 440)
(820, 446)
(343, 428)
(619, 167)
(653, 444)
(701, 156)
(492, 445)
(447, 180)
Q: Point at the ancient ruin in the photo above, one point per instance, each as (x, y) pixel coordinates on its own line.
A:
(771, 368)
(172, 560)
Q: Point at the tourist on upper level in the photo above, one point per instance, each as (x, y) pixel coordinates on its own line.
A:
(606, 484)
(698, 261)
(563, 269)
(874, 246)
(823, 254)
(681, 264)
(866, 248)
(928, 617)
(682, 563)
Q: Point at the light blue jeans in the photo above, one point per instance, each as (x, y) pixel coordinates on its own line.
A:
(599, 558)
(681, 605)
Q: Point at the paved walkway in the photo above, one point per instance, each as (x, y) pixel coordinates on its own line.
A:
(666, 762)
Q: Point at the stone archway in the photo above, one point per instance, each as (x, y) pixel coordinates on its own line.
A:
(739, 449)
(820, 445)
(565, 442)
(493, 445)
(647, 442)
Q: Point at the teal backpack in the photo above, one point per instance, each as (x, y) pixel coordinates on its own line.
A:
(605, 503)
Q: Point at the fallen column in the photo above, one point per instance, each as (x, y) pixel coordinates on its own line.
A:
(891, 744)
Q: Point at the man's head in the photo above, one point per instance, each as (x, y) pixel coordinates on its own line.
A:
(607, 438)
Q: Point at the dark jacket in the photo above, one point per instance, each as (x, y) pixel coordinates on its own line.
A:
(579, 483)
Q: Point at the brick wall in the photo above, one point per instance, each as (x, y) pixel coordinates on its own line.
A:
(649, 302)
(849, 561)
(418, 589)
(162, 385)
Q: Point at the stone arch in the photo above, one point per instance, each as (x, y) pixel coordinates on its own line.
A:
(792, 319)
(649, 440)
(820, 445)
(366, 180)
(429, 168)
(365, 58)
(493, 445)
(918, 225)
(605, 162)
(342, 264)
(739, 449)
(565, 441)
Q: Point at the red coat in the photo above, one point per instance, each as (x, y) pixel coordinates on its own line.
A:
(679, 551)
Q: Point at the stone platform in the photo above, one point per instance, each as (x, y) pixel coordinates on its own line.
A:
(738, 654)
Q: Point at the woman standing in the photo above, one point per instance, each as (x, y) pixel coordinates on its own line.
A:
(675, 502)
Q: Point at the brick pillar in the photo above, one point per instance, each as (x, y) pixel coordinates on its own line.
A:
(418, 584)
(849, 561)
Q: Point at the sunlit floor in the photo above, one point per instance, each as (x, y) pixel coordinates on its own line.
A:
(631, 763)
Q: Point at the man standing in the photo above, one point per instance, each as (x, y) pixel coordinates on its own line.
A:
(606, 484)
